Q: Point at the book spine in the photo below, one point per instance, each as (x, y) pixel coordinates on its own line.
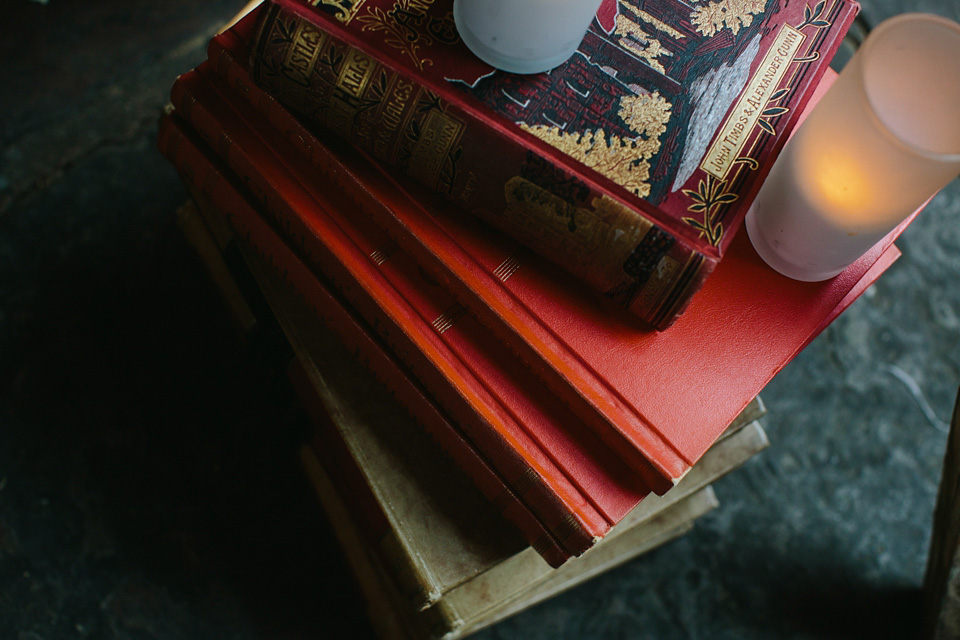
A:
(256, 324)
(518, 489)
(335, 455)
(529, 190)
(503, 423)
(411, 226)
(386, 609)
(438, 621)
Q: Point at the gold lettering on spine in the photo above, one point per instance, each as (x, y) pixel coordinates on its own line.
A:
(302, 55)
(415, 6)
(355, 74)
(653, 290)
(392, 117)
(732, 137)
(439, 133)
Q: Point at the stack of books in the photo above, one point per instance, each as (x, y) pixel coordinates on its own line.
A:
(524, 322)
(433, 556)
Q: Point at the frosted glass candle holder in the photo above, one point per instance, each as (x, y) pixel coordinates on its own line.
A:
(883, 139)
(523, 36)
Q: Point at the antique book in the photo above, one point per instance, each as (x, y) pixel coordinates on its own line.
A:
(391, 615)
(554, 329)
(210, 249)
(942, 581)
(439, 539)
(569, 477)
(631, 165)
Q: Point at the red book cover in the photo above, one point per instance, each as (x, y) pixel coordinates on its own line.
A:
(199, 170)
(664, 396)
(454, 356)
(631, 165)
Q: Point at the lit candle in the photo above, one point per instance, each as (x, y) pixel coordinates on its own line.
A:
(884, 138)
(523, 36)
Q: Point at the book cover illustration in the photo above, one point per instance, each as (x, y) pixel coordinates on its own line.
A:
(643, 150)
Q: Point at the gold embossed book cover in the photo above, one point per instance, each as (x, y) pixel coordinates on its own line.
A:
(631, 165)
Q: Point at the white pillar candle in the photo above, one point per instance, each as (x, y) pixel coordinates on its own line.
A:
(523, 36)
(884, 138)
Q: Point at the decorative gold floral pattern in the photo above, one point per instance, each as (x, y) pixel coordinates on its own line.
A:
(634, 38)
(404, 31)
(624, 161)
(646, 115)
(710, 194)
(345, 9)
(711, 18)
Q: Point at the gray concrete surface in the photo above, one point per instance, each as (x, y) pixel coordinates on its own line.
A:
(146, 485)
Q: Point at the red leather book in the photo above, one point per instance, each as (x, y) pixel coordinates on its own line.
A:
(581, 489)
(646, 394)
(631, 165)
(199, 170)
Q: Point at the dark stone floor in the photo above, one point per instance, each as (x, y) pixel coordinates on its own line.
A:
(148, 488)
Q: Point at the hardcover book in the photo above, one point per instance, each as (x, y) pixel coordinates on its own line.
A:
(587, 356)
(442, 549)
(391, 615)
(631, 165)
(394, 620)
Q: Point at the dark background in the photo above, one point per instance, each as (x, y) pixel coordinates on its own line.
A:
(148, 484)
